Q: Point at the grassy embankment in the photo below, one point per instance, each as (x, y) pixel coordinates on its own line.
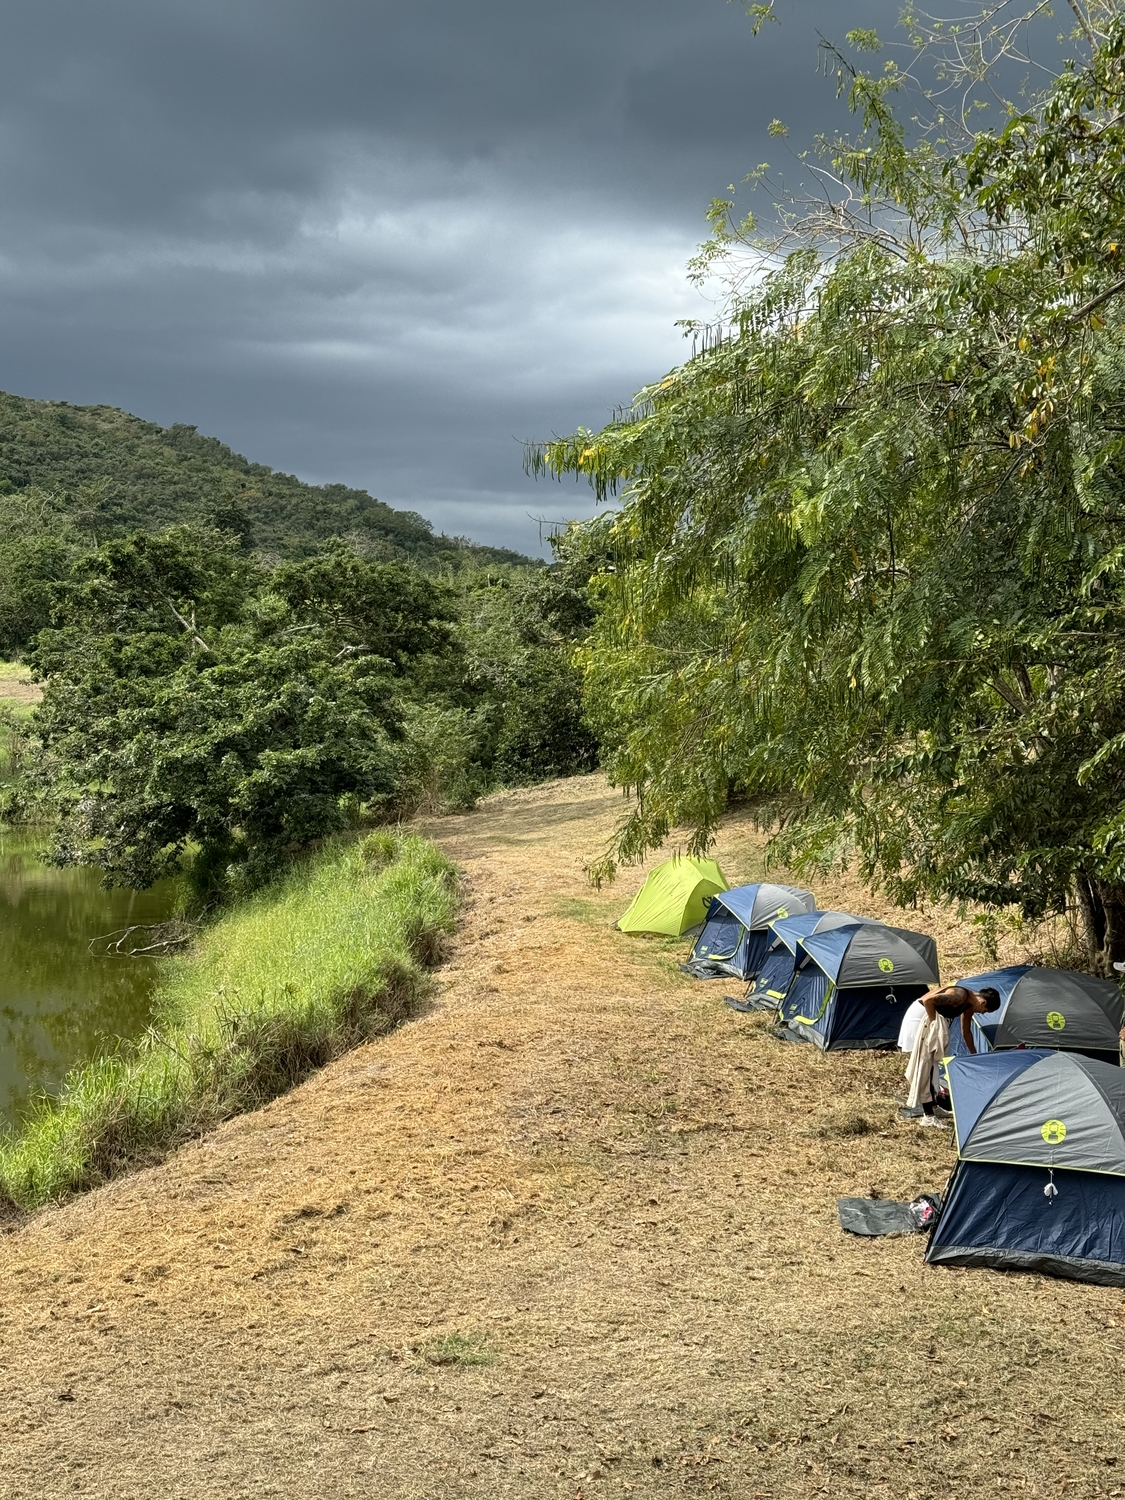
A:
(328, 957)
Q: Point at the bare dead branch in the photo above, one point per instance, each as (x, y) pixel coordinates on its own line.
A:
(188, 625)
(1087, 29)
(173, 934)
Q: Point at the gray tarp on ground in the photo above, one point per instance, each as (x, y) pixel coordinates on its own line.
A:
(875, 1217)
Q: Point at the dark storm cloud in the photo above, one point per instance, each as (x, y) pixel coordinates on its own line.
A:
(379, 242)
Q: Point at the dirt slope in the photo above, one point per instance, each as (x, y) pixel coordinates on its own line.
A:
(592, 1172)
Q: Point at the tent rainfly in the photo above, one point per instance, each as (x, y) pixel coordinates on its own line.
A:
(852, 984)
(780, 962)
(1040, 1180)
(674, 897)
(734, 937)
(1056, 1008)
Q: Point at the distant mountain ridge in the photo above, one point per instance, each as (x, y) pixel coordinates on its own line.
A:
(127, 474)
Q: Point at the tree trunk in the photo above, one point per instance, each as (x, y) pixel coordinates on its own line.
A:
(1103, 918)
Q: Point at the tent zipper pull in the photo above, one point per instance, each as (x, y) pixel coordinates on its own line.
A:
(1051, 1192)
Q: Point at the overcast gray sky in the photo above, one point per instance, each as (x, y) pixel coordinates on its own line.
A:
(379, 241)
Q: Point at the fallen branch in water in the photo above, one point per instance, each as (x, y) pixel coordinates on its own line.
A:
(172, 934)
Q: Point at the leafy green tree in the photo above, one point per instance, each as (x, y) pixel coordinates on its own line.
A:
(195, 700)
(504, 706)
(38, 544)
(868, 565)
(385, 610)
(519, 633)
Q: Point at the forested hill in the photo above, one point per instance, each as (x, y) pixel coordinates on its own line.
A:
(127, 474)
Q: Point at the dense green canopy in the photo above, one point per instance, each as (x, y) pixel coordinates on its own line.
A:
(194, 699)
(868, 562)
(278, 661)
(197, 699)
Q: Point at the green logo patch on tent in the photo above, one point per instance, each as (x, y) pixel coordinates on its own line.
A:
(1054, 1132)
(1056, 1020)
(887, 965)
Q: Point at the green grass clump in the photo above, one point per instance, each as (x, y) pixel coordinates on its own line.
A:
(469, 1350)
(328, 957)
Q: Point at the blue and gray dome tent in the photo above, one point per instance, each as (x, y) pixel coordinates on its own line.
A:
(733, 940)
(853, 984)
(1039, 1007)
(780, 962)
(1040, 1184)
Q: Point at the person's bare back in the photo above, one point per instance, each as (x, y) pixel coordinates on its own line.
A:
(953, 1000)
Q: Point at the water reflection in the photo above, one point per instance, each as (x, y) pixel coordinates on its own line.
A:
(58, 1003)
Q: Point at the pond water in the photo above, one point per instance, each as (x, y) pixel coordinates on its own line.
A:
(59, 1003)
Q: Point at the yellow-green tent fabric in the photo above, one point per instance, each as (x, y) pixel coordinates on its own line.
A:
(675, 896)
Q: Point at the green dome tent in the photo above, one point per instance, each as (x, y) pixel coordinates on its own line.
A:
(675, 896)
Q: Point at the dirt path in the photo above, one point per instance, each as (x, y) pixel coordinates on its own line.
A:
(19, 690)
(581, 1166)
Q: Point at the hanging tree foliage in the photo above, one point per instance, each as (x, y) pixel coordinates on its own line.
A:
(869, 561)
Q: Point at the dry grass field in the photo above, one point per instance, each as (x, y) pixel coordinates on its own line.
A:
(569, 1234)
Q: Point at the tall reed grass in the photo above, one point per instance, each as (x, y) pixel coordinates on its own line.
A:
(328, 957)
